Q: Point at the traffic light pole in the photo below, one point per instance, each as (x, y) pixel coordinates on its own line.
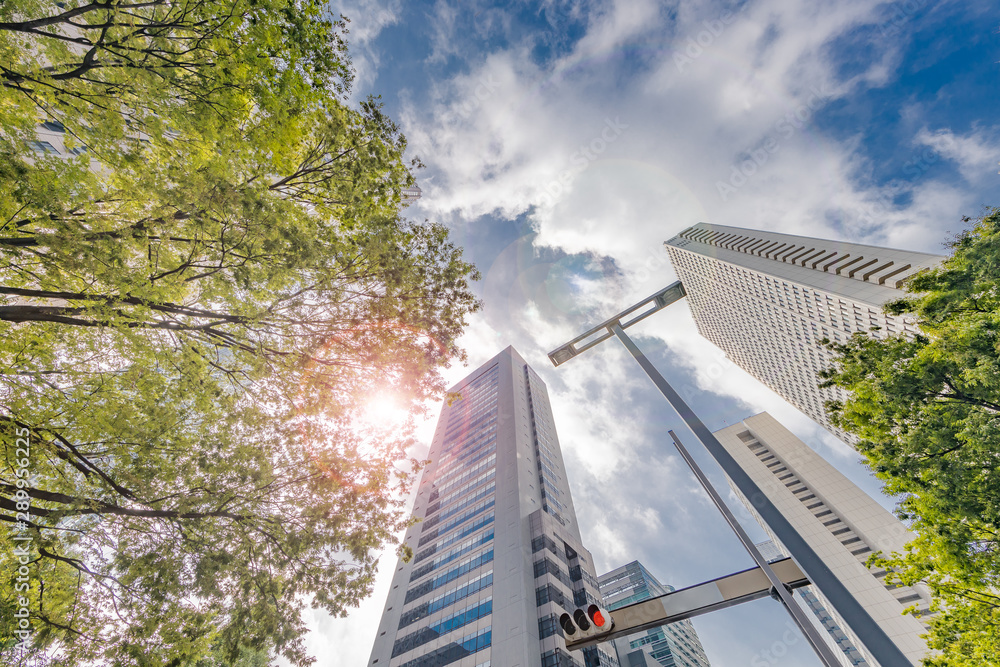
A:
(778, 589)
(704, 598)
(883, 649)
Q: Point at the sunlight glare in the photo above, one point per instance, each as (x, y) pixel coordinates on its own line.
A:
(384, 411)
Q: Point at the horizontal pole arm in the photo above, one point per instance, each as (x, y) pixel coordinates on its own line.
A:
(720, 593)
(654, 303)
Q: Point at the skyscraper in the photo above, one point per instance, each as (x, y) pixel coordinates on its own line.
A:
(672, 645)
(497, 551)
(841, 523)
(768, 299)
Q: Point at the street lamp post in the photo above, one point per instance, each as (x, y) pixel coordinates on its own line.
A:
(883, 649)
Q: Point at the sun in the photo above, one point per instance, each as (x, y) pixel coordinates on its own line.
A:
(384, 410)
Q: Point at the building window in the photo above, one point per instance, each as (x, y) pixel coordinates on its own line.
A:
(558, 658)
(42, 147)
(548, 626)
(455, 651)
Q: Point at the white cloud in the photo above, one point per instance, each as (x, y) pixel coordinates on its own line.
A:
(976, 153)
(368, 18)
(443, 40)
(509, 137)
(612, 25)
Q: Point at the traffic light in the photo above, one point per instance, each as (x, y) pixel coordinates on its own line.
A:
(586, 623)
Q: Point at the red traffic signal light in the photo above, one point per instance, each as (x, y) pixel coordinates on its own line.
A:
(599, 617)
(585, 623)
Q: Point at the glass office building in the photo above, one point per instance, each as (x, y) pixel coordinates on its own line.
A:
(497, 549)
(673, 645)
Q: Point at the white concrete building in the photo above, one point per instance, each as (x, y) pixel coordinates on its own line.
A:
(841, 523)
(497, 553)
(768, 299)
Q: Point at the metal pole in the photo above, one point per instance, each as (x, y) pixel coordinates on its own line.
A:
(690, 601)
(812, 635)
(883, 649)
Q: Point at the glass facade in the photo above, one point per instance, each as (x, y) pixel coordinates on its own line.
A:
(497, 553)
(673, 645)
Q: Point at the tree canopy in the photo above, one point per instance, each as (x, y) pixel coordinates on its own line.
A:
(121, 66)
(193, 313)
(926, 411)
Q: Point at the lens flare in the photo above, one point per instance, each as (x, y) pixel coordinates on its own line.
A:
(384, 411)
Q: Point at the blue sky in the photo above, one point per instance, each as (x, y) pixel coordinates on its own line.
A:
(565, 141)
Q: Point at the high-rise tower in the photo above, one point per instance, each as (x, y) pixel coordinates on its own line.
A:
(672, 645)
(841, 523)
(768, 299)
(497, 551)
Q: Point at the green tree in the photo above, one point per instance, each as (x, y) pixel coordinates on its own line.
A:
(926, 411)
(114, 68)
(193, 315)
